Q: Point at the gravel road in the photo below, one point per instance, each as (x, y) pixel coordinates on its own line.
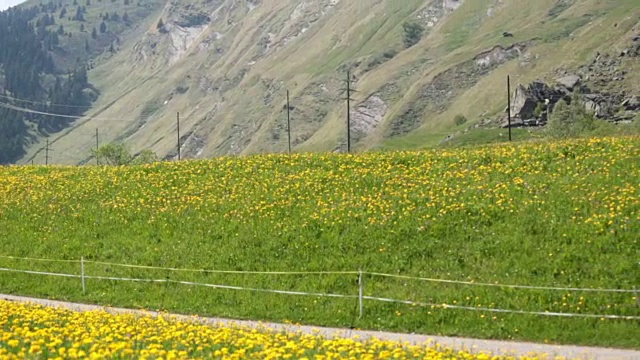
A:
(492, 346)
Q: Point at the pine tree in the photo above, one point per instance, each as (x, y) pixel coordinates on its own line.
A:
(79, 14)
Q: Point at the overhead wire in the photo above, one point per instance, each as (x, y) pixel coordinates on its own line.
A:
(74, 117)
(40, 102)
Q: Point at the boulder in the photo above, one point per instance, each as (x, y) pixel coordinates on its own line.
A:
(526, 99)
(570, 82)
(592, 106)
(523, 103)
(599, 109)
(632, 103)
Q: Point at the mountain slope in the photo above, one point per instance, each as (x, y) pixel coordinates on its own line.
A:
(226, 65)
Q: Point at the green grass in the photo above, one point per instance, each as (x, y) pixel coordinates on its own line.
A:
(490, 136)
(550, 214)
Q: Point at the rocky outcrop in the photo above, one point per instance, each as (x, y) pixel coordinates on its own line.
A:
(603, 70)
(632, 103)
(595, 84)
(531, 105)
(570, 82)
(368, 115)
(451, 5)
(436, 11)
(437, 95)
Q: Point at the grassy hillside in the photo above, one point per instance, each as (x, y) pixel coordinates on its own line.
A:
(225, 66)
(562, 214)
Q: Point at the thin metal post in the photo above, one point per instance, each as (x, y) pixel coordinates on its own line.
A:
(46, 156)
(635, 292)
(84, 288)
(97, 147)
(179, 154)
(348, 111)
(360, 293)
(288, 122)
(509, 103)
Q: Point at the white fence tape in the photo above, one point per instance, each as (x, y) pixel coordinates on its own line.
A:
(226, 287)
(545, 313)
(471, 283)
(39, 273)
(39, 259)
(239, 272)
(285, 292)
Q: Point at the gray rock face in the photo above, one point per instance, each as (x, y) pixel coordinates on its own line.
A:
(451, 5)
(632, 103)
(523, 104)
(526, 99)
(593, 107)
(570, 82)
(368, 115)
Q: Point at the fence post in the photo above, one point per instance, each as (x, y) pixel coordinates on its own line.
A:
(635, 293)
(360, 292)
(84, 288)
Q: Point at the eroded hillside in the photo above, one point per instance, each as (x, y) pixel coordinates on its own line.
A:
(225, 66)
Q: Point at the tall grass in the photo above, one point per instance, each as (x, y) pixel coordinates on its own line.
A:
(552, 214)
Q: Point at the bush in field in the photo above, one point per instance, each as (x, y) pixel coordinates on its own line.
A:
(569, 121)
(119, 154)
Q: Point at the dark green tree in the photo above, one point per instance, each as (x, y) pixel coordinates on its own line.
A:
(412, 33)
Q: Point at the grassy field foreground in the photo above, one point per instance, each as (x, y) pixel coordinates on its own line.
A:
(564, 214)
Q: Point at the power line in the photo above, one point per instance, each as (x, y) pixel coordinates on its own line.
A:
(40, 102)
(75, 117)
(29, 111)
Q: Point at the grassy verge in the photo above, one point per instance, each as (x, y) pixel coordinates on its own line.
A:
(551, 214)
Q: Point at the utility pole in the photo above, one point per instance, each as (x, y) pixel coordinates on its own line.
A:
(46, 152)
(178, 121)
(97, 147)
(289, 121)
(349, 100)
(509, 104)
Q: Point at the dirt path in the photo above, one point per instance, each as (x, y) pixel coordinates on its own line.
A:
(493, 346)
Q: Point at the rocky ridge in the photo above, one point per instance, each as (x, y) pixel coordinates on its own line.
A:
(594, 84)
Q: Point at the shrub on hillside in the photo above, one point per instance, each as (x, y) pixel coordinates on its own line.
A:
(460, 120)
(568, 121)
(412, 34)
